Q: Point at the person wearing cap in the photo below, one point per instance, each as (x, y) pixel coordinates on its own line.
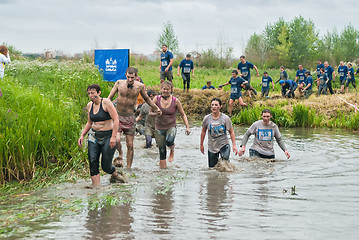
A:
(187, 66)
(300, 78)
(166, 64)
(288, 88)
(308, 90)
(208, 86)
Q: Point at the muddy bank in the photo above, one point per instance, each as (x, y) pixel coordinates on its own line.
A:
(196, 103)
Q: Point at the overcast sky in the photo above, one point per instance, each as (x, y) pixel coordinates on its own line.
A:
(77, 25)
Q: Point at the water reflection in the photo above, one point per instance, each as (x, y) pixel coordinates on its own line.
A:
(162, 206)
(109, 222)
(217, 196)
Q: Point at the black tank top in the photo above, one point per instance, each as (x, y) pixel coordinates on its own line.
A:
(100, 116)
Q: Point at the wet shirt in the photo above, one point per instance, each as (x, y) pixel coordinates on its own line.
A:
(301, 76)
(149, 120)
(319, 66)
(329, 71)
(165, 60)
(265, 83)
(343, 71)
(236, 85)
(309, 81)
(217, 131)
(283, 75)
(323, 79)
(351, 74)
(264, 136)
(245, 69)
(186, 65)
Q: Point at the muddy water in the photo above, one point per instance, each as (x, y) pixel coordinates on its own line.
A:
(189, 201)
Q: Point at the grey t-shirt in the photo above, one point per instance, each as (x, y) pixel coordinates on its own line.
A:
(264, 136)
(149, 120)
(217, 131)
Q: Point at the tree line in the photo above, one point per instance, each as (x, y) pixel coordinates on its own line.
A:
(298, 42)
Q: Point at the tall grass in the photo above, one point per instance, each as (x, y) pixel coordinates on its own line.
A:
(42, 111)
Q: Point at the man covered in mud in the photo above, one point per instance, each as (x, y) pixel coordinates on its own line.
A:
(288, 88)
(217, 124)
(127, 93)
(265, 131)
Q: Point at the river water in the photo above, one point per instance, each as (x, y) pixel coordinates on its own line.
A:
(189, 201)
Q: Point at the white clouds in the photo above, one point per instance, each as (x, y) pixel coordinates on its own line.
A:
(74, 26)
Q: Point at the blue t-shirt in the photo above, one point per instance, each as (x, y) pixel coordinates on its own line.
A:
(343, 71)
(186, 65)
(290, 84)
(210, 87)
(245, 70)
(309, 81)
(265, 83)
(301, 76)
(329, 71)
(165, 60)
(319, 66)
(236, 85)
(323, 79)
(351, 73)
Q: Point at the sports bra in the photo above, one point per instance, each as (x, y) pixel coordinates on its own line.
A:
(100, 116)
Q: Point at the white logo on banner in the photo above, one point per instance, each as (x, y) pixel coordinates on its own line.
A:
(111, 65)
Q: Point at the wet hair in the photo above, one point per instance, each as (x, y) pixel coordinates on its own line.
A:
(94, 86)
(167, 83)
(188, 55)
(235, 71)
(242, 56)
(4, 50)
(265, 73)
(150, 92)
(266, 111)
(131, 70)
(218, 100)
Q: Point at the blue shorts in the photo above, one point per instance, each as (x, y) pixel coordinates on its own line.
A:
(235, 96)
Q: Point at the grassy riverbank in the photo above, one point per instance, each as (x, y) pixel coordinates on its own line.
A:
(42, 113)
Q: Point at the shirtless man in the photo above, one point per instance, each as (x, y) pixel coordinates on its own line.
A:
(127, 93)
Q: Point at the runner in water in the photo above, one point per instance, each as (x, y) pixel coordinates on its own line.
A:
(166, 122)
(127, 93)
(217, 124)
(103, 125)
(265, 131)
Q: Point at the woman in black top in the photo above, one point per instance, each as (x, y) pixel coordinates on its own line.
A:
(102, 125)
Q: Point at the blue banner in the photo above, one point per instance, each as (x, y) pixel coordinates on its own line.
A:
(112, 63)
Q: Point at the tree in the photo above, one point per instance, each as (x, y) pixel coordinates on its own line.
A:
(167, 37)
(284, 46)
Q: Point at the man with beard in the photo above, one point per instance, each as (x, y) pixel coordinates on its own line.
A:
(127, 93)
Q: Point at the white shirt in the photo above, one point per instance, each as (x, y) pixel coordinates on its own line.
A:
(3, 59)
